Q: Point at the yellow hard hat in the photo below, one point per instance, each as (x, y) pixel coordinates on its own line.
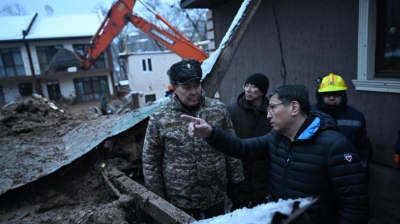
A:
(332, 83)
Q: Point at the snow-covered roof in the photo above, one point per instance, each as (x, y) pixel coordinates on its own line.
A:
(13, 26)
(48, 27)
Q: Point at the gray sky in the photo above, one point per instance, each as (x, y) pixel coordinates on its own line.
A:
(59, 6)
(63, 6)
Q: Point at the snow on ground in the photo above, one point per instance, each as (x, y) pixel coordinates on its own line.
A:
(260, 214)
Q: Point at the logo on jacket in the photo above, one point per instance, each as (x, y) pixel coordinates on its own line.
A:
(348, 157)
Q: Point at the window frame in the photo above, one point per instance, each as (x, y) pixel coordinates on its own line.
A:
(366, 79)
(48, 55)
(146, 65)
(12, 51)
(150, 97)
(91, 88)
(381, 41)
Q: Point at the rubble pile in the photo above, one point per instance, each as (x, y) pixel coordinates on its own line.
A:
(38, 116)
(74, 194)
(32, 134)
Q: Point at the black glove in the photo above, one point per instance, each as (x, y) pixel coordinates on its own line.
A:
(234, 194)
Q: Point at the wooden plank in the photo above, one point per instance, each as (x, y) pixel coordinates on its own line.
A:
(219, 64)
(157, 207)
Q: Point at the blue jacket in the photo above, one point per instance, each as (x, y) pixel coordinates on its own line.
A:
(320, 161)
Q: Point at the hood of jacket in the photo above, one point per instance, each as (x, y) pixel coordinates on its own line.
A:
(319, 122)
(334, 111)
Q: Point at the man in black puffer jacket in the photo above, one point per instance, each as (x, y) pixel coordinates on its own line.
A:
(308, 157)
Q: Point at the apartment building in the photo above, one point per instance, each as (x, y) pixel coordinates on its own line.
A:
(28, 43)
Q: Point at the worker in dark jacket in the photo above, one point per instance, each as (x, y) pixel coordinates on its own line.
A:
(332, 99)
(308, 157)
(249, 118)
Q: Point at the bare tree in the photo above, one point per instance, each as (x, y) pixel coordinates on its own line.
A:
(14, 9)
(190, 22)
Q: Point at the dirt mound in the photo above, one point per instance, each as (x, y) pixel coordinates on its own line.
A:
(40, 184)
(38, 116)
(76, 193)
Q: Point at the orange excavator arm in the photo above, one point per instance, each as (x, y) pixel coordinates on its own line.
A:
(176, 42)
(116, 19)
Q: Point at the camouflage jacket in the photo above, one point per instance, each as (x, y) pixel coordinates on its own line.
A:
(183, 170)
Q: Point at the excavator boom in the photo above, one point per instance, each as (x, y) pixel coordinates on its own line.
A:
(176, 43)
(116, 19)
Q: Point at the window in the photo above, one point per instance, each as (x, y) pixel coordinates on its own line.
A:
(367, 78)
(101, 61)
(91, 88)
(2, 99)
(53, 89)
(11, 63)
(25, 89)
(45, 54)
(149, 98)
(388, 39)
(146, 65)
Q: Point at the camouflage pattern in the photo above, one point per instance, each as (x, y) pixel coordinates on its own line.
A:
(186, 171)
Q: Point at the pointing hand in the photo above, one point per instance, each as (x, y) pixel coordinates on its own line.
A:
(197, 127)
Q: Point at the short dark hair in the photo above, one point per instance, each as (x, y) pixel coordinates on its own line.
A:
(296, 92)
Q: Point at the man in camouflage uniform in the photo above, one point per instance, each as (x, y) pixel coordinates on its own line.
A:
(186, 171)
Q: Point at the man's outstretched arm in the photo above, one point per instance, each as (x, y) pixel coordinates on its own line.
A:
(198, 127)
(251, 148)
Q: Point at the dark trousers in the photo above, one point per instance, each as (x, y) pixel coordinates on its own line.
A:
(215, 210)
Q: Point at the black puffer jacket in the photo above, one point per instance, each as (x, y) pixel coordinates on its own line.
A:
(320, 161)
(248, 122)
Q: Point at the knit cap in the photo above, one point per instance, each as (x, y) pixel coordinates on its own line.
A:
(259, 80)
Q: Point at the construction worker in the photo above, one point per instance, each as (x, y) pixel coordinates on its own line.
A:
(249, 118)
(170, 91)
(308, 157)
(188, 173)
(332, 99)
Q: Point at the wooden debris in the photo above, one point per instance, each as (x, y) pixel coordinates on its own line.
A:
(157, 207)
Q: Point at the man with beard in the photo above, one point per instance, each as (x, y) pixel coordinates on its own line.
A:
(332, 99)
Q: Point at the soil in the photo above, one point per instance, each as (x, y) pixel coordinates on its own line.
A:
(30, 134)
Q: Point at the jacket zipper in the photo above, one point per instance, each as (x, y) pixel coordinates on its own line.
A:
(286, 171)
